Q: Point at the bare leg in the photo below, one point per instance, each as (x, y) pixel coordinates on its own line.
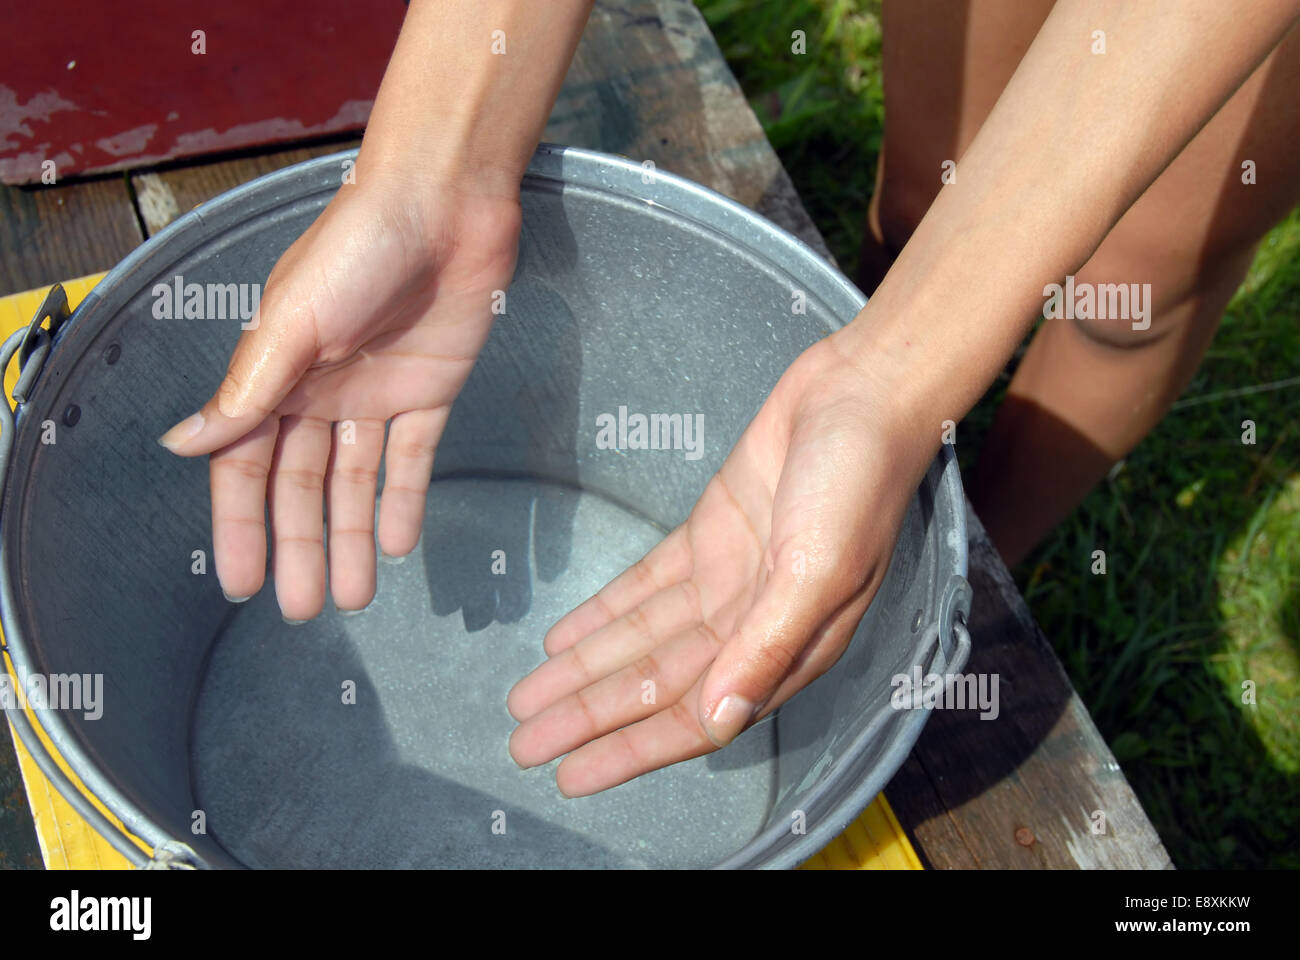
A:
(1087, 391)
(1081, 400)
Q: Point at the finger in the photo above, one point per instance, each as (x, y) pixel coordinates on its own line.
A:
(268, 361)
(237, 475)
(297, 516)
(790, 609)
(350, 499)
(823, 651)
(637, 691)
(408, 464)
(670, 736)
(668, 563)
(609, 649)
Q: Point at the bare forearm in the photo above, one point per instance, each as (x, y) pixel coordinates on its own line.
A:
(1074, 139)
(468, 90)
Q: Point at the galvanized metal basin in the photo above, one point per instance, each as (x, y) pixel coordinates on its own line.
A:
(660, 297)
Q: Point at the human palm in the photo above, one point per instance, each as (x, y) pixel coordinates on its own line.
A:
(376, 314)
(752, 598)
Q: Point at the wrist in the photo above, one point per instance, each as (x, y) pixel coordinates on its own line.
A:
(446, 163)
(468, 91)
(948, 316)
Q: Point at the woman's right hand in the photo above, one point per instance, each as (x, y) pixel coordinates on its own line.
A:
(377, 312)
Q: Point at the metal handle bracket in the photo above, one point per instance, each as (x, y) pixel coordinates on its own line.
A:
(37, 340)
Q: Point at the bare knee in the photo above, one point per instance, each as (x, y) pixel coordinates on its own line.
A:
(1124, 300)
(1116, 312)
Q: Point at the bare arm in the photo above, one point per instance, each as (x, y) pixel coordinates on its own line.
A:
(469, 88)
(376, 313)
(1073, 141)
(810, 501)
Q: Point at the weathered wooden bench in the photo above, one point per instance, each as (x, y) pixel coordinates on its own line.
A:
(1029, 789)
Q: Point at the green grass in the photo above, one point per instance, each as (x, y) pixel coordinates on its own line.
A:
(822, 110)
(1202, 532)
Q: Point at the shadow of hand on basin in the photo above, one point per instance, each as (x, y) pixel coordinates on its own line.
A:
(516, 419)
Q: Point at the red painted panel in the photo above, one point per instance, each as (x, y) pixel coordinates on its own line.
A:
(100, 85)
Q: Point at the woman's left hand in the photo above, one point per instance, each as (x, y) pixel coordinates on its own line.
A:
(756, 595)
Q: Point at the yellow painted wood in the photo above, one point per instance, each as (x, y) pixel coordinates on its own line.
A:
(16, 312)
(874, 841)
(66, 840)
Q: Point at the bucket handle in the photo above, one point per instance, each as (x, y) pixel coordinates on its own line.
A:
(36, 340)
(954, 609)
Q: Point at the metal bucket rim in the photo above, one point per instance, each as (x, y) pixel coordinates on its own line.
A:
(551, 162)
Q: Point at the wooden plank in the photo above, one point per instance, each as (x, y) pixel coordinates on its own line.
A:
(69, 230)
(164, 194)
(925, 819)
(19, 849)
(1025, 789)
(649, 82)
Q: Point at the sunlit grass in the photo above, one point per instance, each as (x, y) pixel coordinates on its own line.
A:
(1259, 600)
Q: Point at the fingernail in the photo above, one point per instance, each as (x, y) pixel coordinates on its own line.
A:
(183, 431)
(292, 623)
(728, 718)
(233, 599)
(352, 613)
(388, 558)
